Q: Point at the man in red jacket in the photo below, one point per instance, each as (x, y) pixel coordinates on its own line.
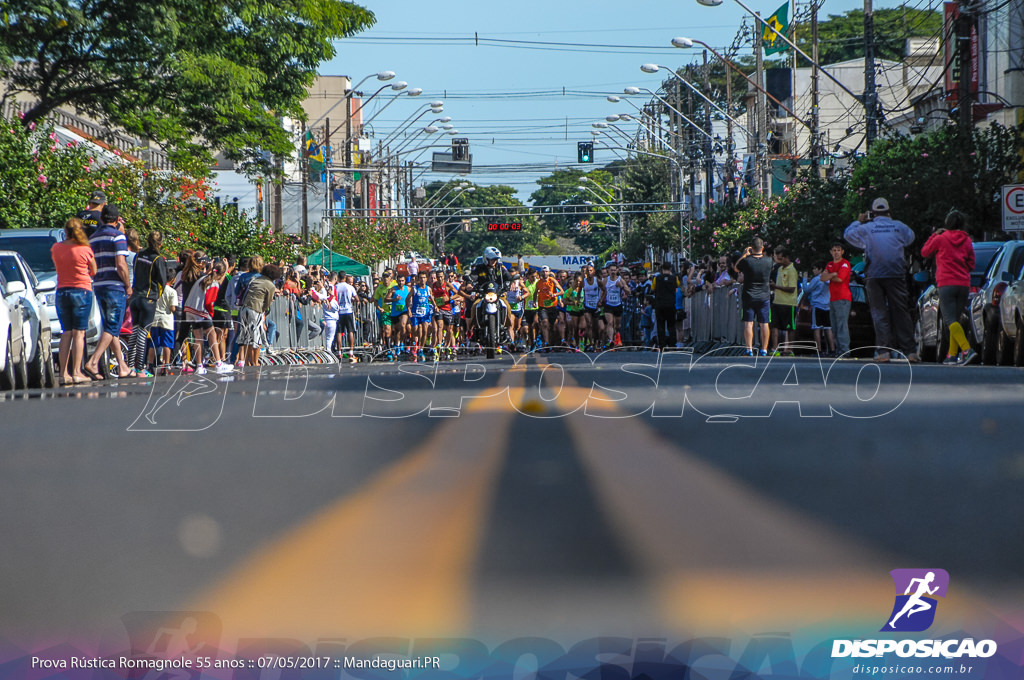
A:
(954, 260)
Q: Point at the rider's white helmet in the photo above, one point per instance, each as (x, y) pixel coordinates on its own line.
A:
(492, 253)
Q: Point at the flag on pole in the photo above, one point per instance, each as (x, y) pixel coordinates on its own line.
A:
(315, 154)
(775, 25)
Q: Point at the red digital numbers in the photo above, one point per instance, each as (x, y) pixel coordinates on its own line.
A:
(504, 226)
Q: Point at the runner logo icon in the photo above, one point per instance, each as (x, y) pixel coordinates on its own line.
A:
(916, 590)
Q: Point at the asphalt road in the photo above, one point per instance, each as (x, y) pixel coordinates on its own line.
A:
(554, 496)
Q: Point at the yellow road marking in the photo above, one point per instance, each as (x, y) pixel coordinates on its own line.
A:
(396, 558)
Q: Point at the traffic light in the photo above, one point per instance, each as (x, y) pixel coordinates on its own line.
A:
(585, 152)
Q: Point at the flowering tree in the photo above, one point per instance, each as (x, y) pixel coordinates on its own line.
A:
(373, 241)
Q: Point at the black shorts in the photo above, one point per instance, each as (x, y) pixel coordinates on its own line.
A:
(577, 313)
(530, 315)
(680, 315)
(592, 311)
(346, 323)
(784, 317)
(820, 318)
(446, 317)
(756, 310)
(222, 318)
(549, 313)
(614, 310)
(202, 324)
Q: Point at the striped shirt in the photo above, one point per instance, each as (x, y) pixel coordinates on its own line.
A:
(107, 243)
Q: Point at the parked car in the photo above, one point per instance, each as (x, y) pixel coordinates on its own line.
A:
(13, 353)
(32, 297)
(932, 336)
(1011, 319)
(34, 246)
(993, 343)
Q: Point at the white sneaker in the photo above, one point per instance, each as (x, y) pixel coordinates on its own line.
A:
(200, 370)
(240, 365)
(221, 367)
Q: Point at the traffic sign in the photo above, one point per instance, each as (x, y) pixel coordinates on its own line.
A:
(1013, 207)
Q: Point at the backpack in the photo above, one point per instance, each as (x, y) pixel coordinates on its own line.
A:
(242, 288)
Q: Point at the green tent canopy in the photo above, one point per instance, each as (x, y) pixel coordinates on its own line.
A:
(337, 262)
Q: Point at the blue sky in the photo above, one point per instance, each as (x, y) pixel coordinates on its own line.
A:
(508, 100)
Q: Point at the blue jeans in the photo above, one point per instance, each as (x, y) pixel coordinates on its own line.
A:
(73, 308)
(111, 300)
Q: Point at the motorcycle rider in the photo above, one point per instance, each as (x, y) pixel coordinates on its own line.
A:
(492, 271)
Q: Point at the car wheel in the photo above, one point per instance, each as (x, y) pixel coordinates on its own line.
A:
(7, 375)
(988, 346)
(21, 370)
(1018, 345)
(1004, 349)
(42, 373)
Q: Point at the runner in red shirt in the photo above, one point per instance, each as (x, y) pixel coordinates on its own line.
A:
(443, 303)
(837, 276)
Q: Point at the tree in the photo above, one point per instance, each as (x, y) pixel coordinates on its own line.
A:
(652, 223)
(559, 193)
(924, 176)
(841, 37)
(195, 76)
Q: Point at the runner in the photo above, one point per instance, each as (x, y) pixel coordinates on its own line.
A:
(381, 299)
(530, 313)
(399, 298)
(548, 292)
(614, 287)
(420, 305)
(593, 297)
(443, 304)
(574, 308)
(516, 296)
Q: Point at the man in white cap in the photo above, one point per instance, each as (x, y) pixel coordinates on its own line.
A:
(883, 240)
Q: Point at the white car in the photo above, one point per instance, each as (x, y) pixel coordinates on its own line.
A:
(13, 354)
(36, 326)
(34, 246)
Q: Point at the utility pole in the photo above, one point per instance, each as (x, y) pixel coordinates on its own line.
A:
(710, 160)
(870, 93)
(328, 162)
(304, 169)
(815, 119)
(964, 26)
(730, 175)
(761, 109)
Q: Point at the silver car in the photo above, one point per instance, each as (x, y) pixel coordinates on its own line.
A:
(986, 323)
(34, 246)
(1011, 321)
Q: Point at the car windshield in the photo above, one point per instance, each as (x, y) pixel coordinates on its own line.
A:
(9, 269)
(35, 250)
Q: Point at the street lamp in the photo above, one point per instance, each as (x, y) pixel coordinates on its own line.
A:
(637, 90)
(654, 68)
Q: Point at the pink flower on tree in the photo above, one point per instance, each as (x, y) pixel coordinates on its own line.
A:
(42, 179)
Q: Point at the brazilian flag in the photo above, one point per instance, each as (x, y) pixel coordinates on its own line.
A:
(315, 154)
(776, 25)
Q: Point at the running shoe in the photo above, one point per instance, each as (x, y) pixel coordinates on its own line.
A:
(764, 352)
(951, 361)
(221, 367)
(968, 357)
(749, 353)
(143, 374)
(200, 370)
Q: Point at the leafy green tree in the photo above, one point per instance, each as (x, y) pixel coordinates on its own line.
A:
(196, 76)
(923, 177)
(841, 37)
(652, 223)
(559, 193)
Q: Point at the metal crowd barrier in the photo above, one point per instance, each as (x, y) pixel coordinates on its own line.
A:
(300, 326)
(715, 316)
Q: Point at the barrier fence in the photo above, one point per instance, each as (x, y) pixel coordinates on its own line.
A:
(298, 325)
(713, 316)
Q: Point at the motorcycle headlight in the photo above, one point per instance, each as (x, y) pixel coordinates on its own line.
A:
(491, 297)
